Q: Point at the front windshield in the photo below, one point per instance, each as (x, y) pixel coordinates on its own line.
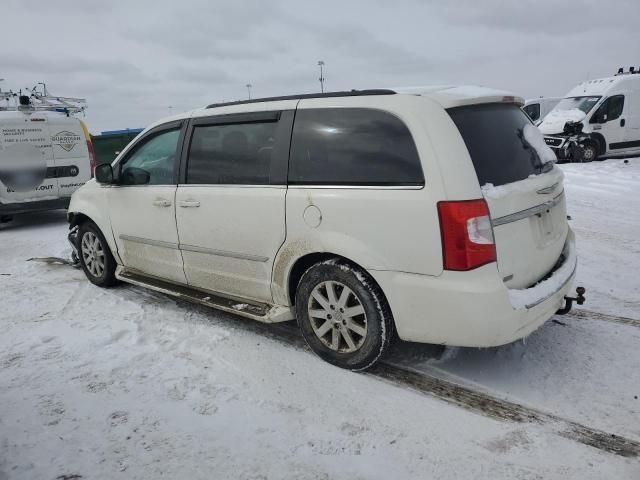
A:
(577, 103)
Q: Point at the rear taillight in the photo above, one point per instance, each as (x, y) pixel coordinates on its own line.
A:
(467, 234)
(92, 157)
(92, 152)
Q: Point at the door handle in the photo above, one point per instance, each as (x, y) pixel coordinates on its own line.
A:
(189, 203)
(161, 202)
(622, 122)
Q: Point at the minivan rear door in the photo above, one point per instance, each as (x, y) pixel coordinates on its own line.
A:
(523, 191)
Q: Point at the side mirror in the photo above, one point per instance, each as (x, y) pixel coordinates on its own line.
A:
(603, 118)
(135, 176)
(104, 174)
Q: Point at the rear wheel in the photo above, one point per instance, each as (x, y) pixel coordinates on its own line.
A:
(343, 315)
(95, 257)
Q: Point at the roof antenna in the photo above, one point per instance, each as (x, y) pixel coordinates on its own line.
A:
(620, 70)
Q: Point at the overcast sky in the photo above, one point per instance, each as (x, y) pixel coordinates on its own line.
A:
(134, 60)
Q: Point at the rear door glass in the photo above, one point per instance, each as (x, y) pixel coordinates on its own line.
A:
(352, 146)
(493, 134)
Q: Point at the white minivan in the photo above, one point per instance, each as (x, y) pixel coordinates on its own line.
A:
(45, 156)
(596, 119)
(432, 213)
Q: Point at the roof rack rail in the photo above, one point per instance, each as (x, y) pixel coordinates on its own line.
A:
(346, 93)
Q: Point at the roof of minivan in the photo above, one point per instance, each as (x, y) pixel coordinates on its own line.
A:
(601, 86)
(448, 96)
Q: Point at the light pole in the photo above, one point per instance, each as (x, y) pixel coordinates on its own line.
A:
(248, 85)
(322, 79)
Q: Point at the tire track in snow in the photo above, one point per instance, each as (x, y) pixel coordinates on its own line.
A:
(480, 402)
(447, 391)
(501, 409)
(590, 315)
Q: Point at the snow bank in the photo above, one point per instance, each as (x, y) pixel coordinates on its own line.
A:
(521, 299)
(533, 136)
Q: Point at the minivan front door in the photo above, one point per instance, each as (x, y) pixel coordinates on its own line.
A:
(142, 205)
(230, 203)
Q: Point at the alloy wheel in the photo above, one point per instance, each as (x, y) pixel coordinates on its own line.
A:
(93, 254)
(337, 317)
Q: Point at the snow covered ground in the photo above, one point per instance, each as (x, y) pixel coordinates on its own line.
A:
(126, 383)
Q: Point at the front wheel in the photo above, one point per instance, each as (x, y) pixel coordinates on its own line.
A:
(343, 315)
(95, 257)
(589, 152)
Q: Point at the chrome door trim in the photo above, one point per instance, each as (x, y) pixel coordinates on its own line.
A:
(223, 253)
(356, 187)
(529, 212)
(149, 241)
(549, 189)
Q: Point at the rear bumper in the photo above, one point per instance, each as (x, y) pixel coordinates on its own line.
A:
(473, 309)
(37, 206)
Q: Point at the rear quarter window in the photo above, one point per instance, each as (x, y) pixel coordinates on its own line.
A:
(352, 146)
(493, 134)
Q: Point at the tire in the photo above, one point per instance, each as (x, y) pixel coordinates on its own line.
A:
(95, 256)
(343, 315)
(589, 152)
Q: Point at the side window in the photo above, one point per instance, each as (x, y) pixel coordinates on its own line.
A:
(232, 154)
(616, 105)
(153, 161)
(609, 110)
(352, 146)
(533, 110)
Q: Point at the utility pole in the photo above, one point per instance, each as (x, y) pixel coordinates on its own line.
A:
(322, 79)
(248, 85)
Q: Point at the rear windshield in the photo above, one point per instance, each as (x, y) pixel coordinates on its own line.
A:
(494, 137)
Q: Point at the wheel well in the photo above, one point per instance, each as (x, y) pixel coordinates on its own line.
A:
(307, 261)
(600, 142)
(77, 219)
(301, 266)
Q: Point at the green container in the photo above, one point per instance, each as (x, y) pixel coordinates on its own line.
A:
(109, 144)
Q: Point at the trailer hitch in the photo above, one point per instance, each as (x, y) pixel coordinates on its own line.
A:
(579, 299)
